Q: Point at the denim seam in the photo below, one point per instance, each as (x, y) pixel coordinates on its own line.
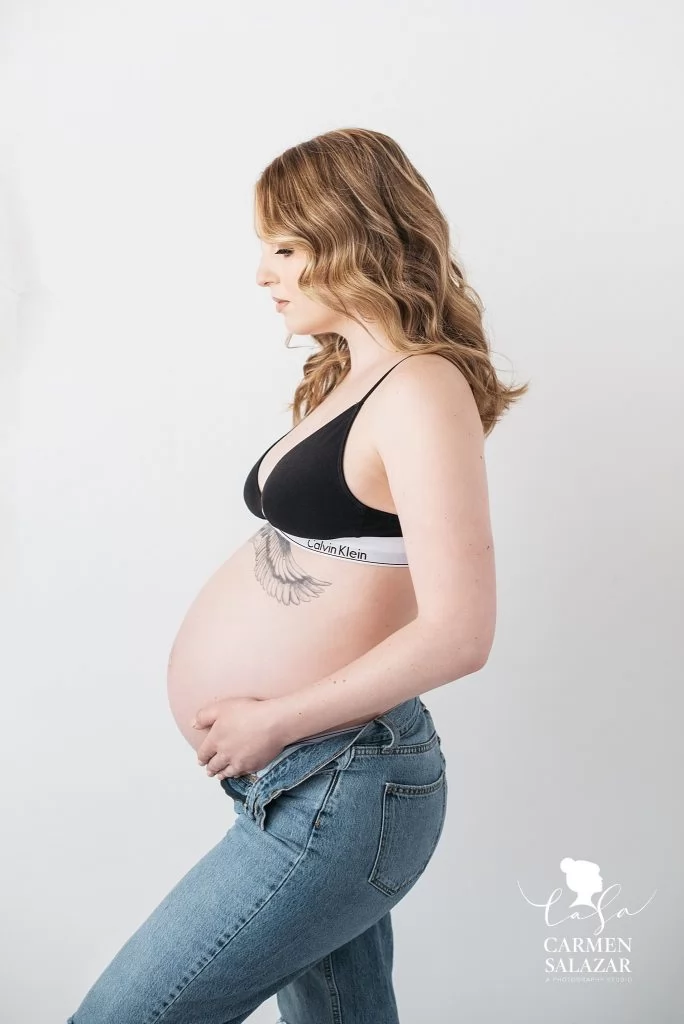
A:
(323, 807)
(333, 990)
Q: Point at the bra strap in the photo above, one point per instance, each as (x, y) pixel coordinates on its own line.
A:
(383, 377)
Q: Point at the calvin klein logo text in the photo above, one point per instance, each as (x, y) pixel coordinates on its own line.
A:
(343, 550)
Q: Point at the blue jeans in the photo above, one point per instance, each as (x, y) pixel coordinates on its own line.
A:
(295, 899)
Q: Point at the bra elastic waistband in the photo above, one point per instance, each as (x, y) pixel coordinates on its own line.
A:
(373, 550)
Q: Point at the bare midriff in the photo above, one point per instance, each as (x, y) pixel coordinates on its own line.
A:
(255, 630)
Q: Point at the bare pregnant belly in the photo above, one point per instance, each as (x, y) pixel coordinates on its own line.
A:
(264, 626)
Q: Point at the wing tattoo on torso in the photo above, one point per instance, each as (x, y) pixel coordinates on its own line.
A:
(277, 571)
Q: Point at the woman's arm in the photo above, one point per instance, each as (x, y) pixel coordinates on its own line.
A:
(428, 433)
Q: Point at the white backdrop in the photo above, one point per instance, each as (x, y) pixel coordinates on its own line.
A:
(143, 371)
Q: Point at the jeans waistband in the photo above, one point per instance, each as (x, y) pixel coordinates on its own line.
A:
(397, 721)
(304, 759)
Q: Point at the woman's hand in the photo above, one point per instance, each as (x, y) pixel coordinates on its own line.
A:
(245, 733)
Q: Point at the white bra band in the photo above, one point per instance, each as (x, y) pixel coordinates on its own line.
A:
(374, 550)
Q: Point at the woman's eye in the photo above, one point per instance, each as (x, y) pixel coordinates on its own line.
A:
(278, 251)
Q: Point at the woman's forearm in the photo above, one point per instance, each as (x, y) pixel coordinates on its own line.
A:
(416, 658)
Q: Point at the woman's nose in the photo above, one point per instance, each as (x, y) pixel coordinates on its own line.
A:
(264, 276)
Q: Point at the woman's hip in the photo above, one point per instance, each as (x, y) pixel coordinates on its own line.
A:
(371, 803)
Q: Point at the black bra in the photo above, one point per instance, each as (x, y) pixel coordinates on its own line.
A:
(306, 494)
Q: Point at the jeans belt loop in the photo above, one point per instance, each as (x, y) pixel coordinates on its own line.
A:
(393, 742)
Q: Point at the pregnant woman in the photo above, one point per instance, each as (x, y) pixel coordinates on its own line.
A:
(297, 672)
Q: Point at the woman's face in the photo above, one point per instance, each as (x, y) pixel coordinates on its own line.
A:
(279, 270)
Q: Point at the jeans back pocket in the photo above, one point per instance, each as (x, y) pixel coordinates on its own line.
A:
(412, 822)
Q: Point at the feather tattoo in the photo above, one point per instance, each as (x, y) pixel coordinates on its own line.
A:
(276, 569)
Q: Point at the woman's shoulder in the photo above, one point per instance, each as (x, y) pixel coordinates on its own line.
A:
(428, 375)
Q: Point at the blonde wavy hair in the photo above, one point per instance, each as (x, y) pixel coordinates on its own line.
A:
(378, 244)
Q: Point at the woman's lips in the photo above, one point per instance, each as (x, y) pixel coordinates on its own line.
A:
(281, 305)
